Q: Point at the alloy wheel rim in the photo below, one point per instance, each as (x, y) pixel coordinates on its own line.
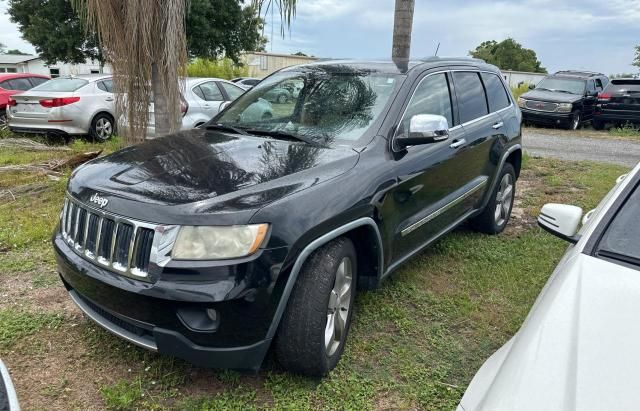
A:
(4, 124)
(104, 129)
(576, 121)
(504, 199)
(338, 307)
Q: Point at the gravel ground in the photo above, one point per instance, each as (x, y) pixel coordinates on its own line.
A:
(548, 143)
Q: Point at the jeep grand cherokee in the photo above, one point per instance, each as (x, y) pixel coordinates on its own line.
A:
(217, 243)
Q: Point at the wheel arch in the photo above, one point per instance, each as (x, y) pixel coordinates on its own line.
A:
(363, 232)
(515, 159)
(106, 112)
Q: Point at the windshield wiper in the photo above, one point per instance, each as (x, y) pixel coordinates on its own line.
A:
(285, 135)
(565, 91)
(226, 127)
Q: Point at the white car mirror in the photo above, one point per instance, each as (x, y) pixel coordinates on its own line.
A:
(561, 220)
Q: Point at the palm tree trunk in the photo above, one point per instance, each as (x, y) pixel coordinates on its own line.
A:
(402, 24)
(160, 104)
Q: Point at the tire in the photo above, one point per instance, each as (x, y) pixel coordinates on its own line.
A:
(303, 345)
(282, 99)
(492, 220)
(597, 125)
(102, 127)
(575, 121)
(4, 121)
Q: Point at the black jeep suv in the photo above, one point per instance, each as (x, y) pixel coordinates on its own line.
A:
(566, 99)
(214, 243)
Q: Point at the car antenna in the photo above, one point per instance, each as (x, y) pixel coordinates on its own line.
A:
(437, 48)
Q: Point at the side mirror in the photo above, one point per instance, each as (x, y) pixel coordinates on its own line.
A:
(561, 220)
(224, 105)
(532, 86)
(424, 129)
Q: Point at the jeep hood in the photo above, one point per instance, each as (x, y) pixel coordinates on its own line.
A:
(577, 350)
(203, 171)
(551, 96)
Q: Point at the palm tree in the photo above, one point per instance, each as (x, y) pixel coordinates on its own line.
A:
(402, 24)
(145, 42)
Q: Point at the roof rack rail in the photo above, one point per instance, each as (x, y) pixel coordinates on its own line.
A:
(580, 73)
(438, 58)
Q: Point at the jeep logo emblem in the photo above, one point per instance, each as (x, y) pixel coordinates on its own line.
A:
(101, 201)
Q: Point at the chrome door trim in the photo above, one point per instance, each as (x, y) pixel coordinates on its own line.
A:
(443, 209)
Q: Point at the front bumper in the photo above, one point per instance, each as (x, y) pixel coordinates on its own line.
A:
(543, 117)
(166, 316)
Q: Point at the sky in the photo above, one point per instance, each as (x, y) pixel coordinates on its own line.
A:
(566, 34)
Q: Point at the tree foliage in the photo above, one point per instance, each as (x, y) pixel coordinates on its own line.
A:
(636, 60)
(54, 29)
(222, 27)
(214, 28)
(508, 55)
(221, 68)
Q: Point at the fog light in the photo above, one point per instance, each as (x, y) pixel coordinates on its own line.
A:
(199, 320)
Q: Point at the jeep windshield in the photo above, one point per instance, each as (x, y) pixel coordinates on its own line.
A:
(315, 104)
(562, 85)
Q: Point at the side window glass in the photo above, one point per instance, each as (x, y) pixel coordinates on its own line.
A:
(496, 93)
(599, 86)
(432, 96)
(591, 86)
(36, 81)
(22, 84)
(211, 92)
(5, 85)
(108, 84)
(101, 86)
(472, 102)
(198, 92)
(233, 91)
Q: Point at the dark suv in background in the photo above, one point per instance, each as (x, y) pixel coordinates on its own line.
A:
(566, 99)
(618, 104)
(217, 243)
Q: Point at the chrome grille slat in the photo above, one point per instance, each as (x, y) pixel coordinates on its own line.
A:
(119, 244)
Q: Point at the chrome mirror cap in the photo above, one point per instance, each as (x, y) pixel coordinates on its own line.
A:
(423, 129)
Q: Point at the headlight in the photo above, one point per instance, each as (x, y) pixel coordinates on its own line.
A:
(521, 102)
(218, 243)
(565, 107)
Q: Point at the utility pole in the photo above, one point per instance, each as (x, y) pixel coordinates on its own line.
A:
(402, 25)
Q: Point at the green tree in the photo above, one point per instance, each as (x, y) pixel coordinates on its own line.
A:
(508, 55)
(54, 29)
(636, 60)
(16, 51)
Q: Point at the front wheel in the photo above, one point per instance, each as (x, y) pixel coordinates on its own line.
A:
(315, 325)
(495, 216)
(575, 121)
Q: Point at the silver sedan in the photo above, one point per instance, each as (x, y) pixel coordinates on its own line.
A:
(74, 105)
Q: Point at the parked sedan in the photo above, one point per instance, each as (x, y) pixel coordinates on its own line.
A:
(71, 105)
(14, 83)
(578, 347)
(618, 103)
(203, 98)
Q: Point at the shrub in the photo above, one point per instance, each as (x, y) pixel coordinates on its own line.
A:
(222, 68)
(518, 91)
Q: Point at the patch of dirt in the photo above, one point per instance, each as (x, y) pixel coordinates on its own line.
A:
(521, 218)
(18, 290)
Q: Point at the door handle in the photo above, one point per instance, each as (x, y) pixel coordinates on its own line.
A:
(108, 99)
(498, 125)
(458, 143)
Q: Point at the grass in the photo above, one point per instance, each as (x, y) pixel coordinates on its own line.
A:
(627, 130)
(518, 91)
(414, 343)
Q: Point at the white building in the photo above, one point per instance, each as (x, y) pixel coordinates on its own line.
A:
(15, 63)
(517, 78)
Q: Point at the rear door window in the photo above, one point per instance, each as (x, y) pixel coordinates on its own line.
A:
(496, 93)
(472, 102)
(36, 81)
(62, 84)
(209, 92)
(106, 85)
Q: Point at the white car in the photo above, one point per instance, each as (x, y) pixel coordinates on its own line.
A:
(578, 349)
(8, 398)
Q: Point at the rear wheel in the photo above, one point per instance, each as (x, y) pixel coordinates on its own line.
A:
(597, 125)
(102, 127)
(4, 123)
(314, 327)
(495, 216)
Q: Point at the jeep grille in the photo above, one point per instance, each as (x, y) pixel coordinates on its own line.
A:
(119, 244)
